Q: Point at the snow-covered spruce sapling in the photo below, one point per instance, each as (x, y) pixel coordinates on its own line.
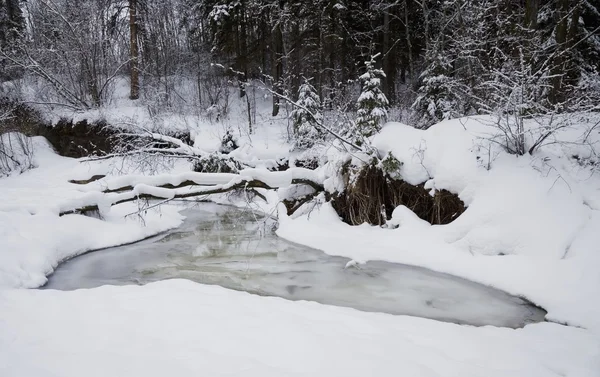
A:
(372, 103)
(307, 117)
(391, 166)
(439, 94)
(229, 143)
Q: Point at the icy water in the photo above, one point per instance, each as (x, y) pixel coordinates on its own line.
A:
(237, 249)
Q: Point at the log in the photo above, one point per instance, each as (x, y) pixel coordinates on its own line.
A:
(169, 192)
(86, 181)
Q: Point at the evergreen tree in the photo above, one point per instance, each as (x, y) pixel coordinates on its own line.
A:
(372, 103)
(12, 21)
(12, 24)
(308, 117)
(439, 94)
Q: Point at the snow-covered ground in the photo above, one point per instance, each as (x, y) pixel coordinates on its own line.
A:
(179, 328)
(532, 229)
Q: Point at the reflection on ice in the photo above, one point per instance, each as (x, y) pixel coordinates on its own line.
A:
(235, 249)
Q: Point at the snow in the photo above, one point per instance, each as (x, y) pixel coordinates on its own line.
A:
(34, 239)
(32, 245)
(180, 328)
(531, 229)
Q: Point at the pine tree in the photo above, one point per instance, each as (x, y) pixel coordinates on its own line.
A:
(372, 103)
(439, 94)
(308, 117)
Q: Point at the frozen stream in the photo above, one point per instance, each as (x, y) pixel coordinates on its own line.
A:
(233, 248)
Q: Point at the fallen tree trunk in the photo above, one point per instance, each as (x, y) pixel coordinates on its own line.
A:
(172, 181)
(182, 186)
(152, 192)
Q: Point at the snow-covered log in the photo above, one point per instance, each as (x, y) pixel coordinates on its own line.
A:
(104, 194)
(272, 179)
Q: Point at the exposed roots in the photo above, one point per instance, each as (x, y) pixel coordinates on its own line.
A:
(372, 197)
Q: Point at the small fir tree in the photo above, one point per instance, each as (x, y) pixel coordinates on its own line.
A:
(372, 103)
(308, 117)
(229, 143)
(439, 96)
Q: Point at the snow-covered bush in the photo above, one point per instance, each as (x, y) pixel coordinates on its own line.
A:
(16, 122)
(372, 103)
(216, 164)
(307, 117)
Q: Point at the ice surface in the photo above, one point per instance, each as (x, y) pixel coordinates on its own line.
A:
(235, 249)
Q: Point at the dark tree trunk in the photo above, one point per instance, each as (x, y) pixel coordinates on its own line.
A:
(277, 61)
(243, 51)
(134, 51)
(296, 65)
(564, 36)
(531, 13)
(389, 61)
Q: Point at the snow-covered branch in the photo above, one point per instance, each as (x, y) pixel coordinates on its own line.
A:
(317, 122)
(106, 193)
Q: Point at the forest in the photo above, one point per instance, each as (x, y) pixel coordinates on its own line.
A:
(436, 59)
(336, 71)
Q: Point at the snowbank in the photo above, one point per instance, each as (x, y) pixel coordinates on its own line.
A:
(31, 246)
(179, 328)
(531, 227)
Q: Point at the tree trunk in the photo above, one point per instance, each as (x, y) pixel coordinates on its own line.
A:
(558, 66)
(389, 63)
(408, 41)
(386, 51)
(134, 51)
(241, 49)
(277, 67)
(296, 66)
(332, 46)
(531, 13)
(425, 24)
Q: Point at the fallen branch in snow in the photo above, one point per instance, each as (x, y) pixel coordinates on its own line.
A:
(86, 181)
(272, 179)
(170, 153)
(165, 186)
(151, 192)
(293, 205)
(187, 185)
(298, 181)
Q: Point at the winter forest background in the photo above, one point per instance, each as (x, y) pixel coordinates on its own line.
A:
(438, 59)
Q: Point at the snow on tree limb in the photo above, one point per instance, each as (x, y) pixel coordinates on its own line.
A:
(130, 188)
(317, 123)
